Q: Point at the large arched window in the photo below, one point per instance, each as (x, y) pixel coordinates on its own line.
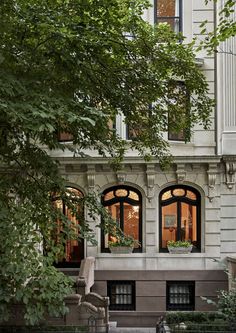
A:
(73, 248)
(125, 206)
(180, 216)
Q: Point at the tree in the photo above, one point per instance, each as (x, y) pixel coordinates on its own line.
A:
(71, 66)
(225, 28)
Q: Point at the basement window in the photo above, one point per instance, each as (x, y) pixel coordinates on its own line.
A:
(122, 295)
(180, 295)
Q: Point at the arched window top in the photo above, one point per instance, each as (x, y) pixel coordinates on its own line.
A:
(180, 216)
(118, 193)
(179, 192)
(124, 203)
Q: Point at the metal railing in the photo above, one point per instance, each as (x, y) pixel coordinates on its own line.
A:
(208, 327)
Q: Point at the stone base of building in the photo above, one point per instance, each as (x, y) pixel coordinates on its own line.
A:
(151, 293)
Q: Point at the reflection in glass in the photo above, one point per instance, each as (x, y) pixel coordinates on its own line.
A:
(166, 195)
(121, 193)
(169, 223)
(109, 196)
(131, 220)
(168, 12)
(191, 195)
(178, 192)
(73, 247)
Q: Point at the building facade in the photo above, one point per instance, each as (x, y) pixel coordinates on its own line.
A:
(194, 199)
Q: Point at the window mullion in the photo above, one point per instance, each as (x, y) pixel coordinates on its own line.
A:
(179, 213)
(122, 215)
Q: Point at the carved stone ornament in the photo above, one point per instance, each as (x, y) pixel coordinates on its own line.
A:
(230, 172)
(212, 172)
(121, 176)
(91, 176)
(150, 172)
(180, 172)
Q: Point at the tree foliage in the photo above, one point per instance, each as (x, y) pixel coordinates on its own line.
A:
(71, 66)
(225, 28)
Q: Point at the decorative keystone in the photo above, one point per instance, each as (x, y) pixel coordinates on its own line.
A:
(150, 172)
(180, 172)
(230, 174)
(212, 172)
(91, 176)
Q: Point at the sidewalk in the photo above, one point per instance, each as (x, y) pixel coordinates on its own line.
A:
(132, 330)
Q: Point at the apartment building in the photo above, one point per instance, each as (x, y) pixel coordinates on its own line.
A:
(194, 199)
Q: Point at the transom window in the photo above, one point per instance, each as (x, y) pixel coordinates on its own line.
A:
(170, 12)
(125, 206)
(74, 248)
(121, 294)
(180, 216)
(180, 295)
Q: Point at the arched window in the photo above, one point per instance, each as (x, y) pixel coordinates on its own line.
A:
(74, 248)
(180, 216)
(125, 206)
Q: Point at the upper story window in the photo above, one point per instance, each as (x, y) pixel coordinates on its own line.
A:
(180, 216)
(73, 248)
(124, 203)
(178, 96)
(64, 137)
(169, 11)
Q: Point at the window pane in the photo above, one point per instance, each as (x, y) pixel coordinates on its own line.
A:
(121, 193)
(133, 195)
(168, 11)
(114, 210)
(166, 195)
(64, 136)
(169, 223)
(131, 220)
(191, 195)
(167, 8)
(74, 248)
(178, 192)
(121, 294)
(188, 223)
(109, 196)
(180, 295)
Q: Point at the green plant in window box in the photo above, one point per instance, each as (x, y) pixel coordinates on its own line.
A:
(122, 243)
(179, 247)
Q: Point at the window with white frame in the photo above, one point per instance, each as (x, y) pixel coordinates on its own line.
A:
(170, 12)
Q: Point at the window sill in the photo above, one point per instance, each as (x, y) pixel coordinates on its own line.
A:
(153, 255)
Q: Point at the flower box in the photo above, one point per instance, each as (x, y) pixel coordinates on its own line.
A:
(179, 250)
(121, 249)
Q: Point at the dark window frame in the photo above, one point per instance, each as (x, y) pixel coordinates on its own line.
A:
(122, 200)
(163, 18)
(121, 307)
(180, 306)
(64, 263)
(197, 247)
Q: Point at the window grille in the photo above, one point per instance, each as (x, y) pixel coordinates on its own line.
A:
(180, 295)
(122, 295)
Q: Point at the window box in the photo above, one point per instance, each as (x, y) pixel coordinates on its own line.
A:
(121, 249)
(179, 247)
(180, 250)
